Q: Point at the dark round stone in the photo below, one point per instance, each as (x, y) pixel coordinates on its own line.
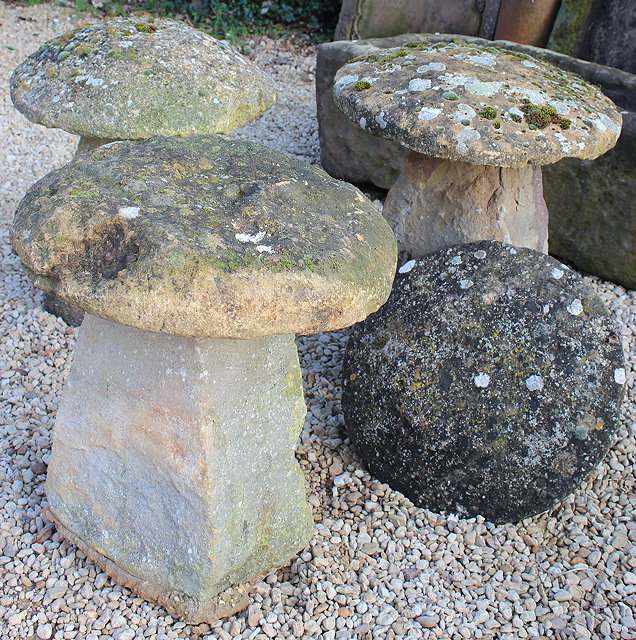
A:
(490, 382)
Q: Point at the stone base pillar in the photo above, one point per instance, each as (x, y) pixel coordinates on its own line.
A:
(173, 465)
(435, 204)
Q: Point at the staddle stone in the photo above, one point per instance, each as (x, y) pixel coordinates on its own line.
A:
(205, 237)
(490, 383)
(173, 467)
(132, 78)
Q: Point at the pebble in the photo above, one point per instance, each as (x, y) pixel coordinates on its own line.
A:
(391, 570)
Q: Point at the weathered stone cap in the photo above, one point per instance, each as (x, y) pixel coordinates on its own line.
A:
(205, 237)
(475, 104)
(132, 78)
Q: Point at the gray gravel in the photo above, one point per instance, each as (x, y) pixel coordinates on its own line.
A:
(377, 567)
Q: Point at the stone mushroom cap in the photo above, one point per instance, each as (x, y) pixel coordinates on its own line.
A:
(132, 78)
(205, 237)
(475, 104)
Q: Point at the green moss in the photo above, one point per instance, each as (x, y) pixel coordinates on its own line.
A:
(116, 53)
(145, 27)
(84, 50)
(450, 95)
(362, 85)
(466, 123)
(564, 123)
(497, 124)
(540, 117)
(63, 56)
(489, 113)
(52, 73)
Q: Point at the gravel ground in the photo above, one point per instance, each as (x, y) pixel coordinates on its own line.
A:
(377, 567)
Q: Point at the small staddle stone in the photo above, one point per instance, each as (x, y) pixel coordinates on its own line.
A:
(132, 78)
(490, 383)
(453, 105)
(196, 259)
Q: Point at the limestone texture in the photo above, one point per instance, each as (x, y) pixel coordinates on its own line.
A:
(173, 465)
(593, 209)
(458, 202)
(480, 105)
(490, 383)
(131, 78)
(381, 18)
(205, 237)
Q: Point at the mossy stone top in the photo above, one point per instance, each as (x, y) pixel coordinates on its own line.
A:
(132, 78)
(475, 104)
(205, 237)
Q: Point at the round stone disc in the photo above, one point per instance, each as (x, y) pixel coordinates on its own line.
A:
(205, 237)
(475, 104)
(132, 78)
(490, 382)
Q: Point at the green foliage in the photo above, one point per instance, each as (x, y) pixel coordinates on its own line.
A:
(239, 17)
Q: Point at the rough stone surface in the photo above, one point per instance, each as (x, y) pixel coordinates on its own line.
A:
(608, 36)
(568, 26)
(382, 18)
(481, 105)
(131, 78)
(435, 204)
(490, 383)
(205, 237)
(180, 469)
(593, 209)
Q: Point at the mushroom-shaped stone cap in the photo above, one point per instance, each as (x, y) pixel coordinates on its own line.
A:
(481, 105)
(132, 78)
(205, 237)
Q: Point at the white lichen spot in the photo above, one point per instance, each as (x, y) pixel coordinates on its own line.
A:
(363, 123)
(557, 274)
(531, 65)
(560, 107)
(128, 212)
(467, 135)
(466, 283)
(407, 266)
(481, 380)
(515, 111)
(428, 113)
(486, 60)
(431, 66)
(380, 120)
(464, 112)
(480, 255)
(456, 260)
(546, 308)
(486, 89)
(343, 82)
(419, 84)
(512, 251)
(247, 237)
(536, 97)
(534, 383)
(216, 101)
(603, 123)
(575, 307)
(619, 376)
(263, 248)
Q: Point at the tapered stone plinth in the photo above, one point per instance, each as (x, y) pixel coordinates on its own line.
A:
(435, 204)
(173, 463)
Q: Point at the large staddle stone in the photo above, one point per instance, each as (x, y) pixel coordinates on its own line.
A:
(196, 259)
(132, 78)
(481, 119)
(490, 383)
